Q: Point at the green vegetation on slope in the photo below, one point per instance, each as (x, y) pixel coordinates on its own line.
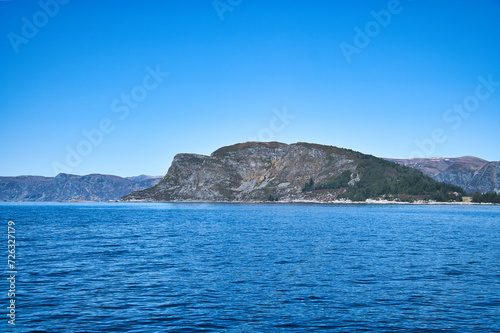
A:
(335, 183)
(381, 178)
(490, 197)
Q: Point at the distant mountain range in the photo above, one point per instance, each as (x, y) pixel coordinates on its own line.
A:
(471, 173)
(273, 171)
(260, 171)
(66, 187)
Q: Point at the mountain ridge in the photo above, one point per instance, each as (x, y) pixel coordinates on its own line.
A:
(274, 171)
(69, 187)
(469, 172)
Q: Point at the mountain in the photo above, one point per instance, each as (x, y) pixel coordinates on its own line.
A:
(66, 187)
(469, 172)
(273, 171)
(145, 179)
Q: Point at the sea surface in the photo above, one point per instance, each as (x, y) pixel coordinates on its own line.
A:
(87, 267)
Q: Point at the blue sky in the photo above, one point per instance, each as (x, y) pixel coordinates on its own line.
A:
(120, 87)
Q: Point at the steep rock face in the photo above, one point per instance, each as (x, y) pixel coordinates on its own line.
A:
(248, 172)
(471, 173)
(487, 179)
(66, 187)
(23, 188)
(260, 171)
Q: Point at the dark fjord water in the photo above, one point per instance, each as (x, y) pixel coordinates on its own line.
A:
(254, 268)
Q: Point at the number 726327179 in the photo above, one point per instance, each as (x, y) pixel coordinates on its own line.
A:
(11, 245)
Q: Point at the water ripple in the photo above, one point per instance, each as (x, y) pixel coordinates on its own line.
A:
(255, 268)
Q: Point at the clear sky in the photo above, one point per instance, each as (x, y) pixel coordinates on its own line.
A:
(120, 87)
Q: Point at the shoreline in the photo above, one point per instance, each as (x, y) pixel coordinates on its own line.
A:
(316, 202)
(290, 202)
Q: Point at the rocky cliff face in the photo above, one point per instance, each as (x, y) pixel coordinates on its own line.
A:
(248, 172)
(258, 171)
(471, 173)
(487, 179)
(66, 187)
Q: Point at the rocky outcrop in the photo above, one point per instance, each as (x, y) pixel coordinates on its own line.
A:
(66, 187)
(260, 171)
(487, 179)
(471, 173)
(247, 172)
